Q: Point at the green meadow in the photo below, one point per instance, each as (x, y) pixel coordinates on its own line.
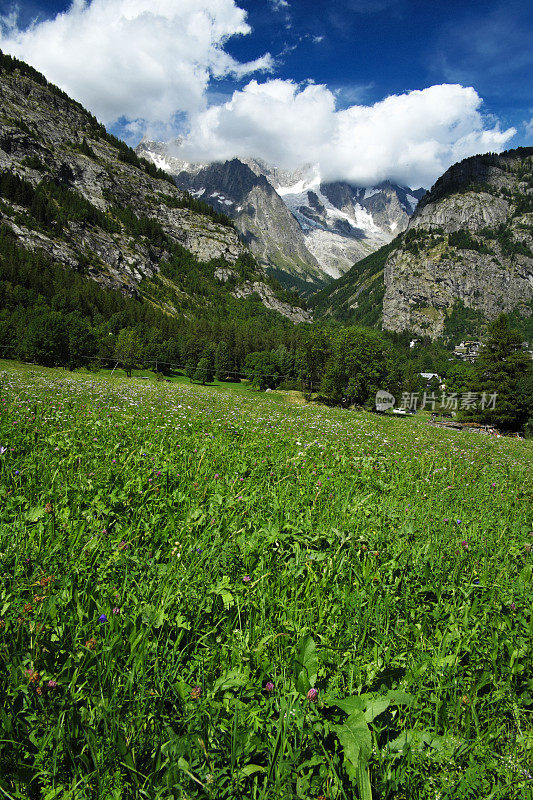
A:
(212, 592)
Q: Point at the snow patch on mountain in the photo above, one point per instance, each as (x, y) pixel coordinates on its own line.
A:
(325, 228)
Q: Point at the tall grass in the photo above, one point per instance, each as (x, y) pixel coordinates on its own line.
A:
(180, 566)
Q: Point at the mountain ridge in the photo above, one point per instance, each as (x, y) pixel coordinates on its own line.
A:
(307, 231)
(76, 193)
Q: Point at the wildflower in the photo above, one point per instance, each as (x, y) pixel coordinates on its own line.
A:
(33, 676)
(312, 695)
(513, 606)
(2, 450)
(27, 609)
(2, 622)
(196, 692)
(123, 545)
(269, 687)
(115, 611)
(246, 579)
(90, 643)
(464, 544)
(48, 508)
(458, 521)
(52, 685)
(198, 549)
(102, 618)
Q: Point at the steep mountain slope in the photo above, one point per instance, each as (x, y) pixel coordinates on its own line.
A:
(469, 243)
(466, 256)
(83, 198)
(260, 215)
(356, 297)
(302, 230)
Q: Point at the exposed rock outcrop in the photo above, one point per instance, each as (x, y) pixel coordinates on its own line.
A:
(470, 242)
(90, 203)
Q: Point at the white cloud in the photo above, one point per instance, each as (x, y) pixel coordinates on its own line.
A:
(150, 62)
(529, 128)
(411, 138)
(135, 58)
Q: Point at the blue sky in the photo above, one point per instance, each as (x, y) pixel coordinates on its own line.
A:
(282, 78)
(369, 50)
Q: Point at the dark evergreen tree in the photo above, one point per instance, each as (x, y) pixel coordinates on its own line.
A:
(223, 365)
(503, 370)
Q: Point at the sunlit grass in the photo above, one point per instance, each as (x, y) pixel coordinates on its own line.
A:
(216, 531)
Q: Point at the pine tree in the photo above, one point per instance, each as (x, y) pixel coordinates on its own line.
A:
(505, 370)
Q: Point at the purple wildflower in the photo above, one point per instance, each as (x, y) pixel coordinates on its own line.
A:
(102, 618)
(269, 686)
(312, 695)
(246, 579)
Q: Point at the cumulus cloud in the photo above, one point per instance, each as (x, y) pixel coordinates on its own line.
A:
(411, 138)
(135, 59)
(150, 65)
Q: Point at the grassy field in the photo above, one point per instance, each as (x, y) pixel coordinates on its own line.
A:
(211, 593)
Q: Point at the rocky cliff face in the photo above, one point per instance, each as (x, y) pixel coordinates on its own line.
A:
(81, 196)
(467, 253)
(469, 243)
(260, 215)
(303, 230)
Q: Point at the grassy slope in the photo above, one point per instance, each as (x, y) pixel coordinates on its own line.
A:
(402, 550)
(356, 297)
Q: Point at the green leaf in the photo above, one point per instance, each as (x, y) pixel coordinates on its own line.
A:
(231, 680)
(34, 514)
(398, 697)
(250, 769)
(376, 707)
(306, 665)
(349, 704)
(354, 736)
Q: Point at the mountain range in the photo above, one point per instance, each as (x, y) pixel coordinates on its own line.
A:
(179, 237)
(303, 230)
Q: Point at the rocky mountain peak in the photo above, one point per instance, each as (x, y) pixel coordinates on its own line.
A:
(303, 230)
